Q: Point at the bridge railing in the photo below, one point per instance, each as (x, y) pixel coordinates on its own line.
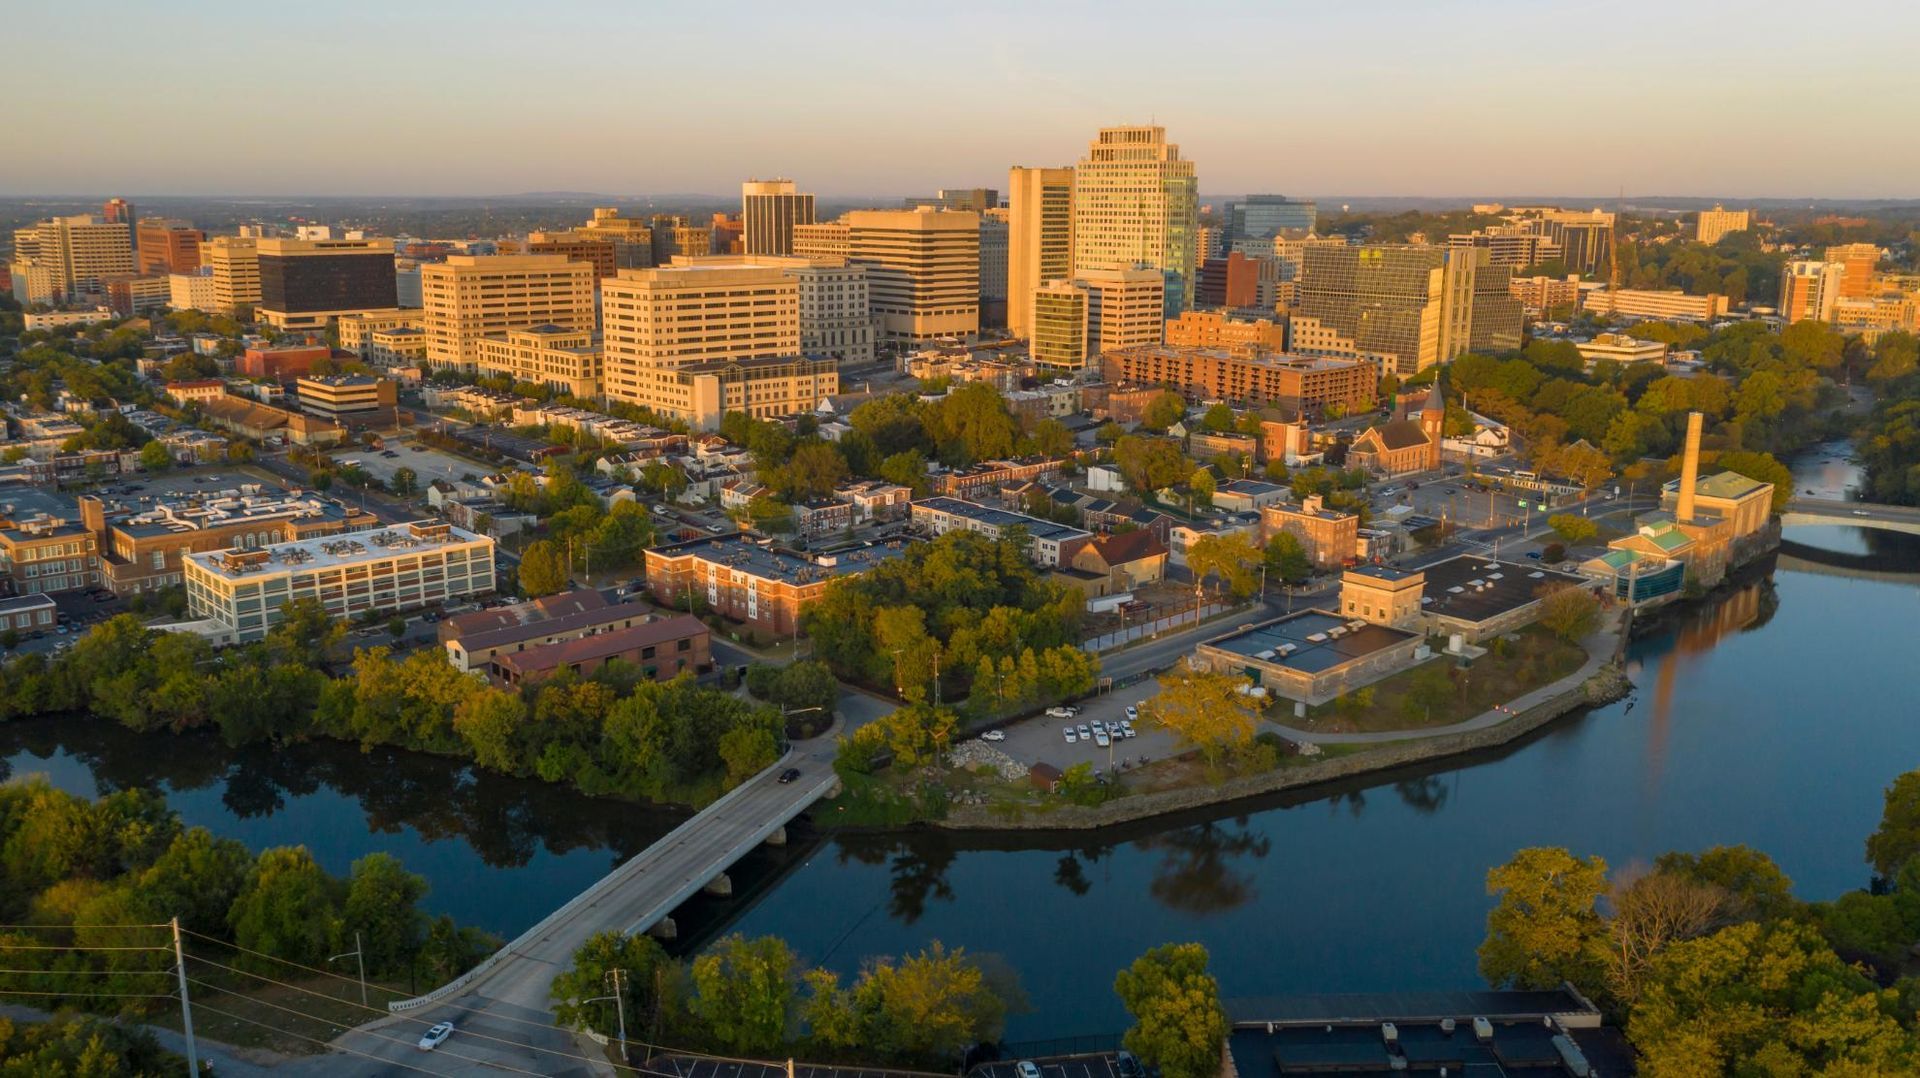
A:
(571, 905)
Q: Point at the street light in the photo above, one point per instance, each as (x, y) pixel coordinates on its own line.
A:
(620, 1008)
(359, 959)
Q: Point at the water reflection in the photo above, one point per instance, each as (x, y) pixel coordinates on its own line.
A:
(1200, 870)
(1696, 630)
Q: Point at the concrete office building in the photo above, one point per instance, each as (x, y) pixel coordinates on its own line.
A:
(1509, 245)
(769, 210)
(347, 398)
(1545, 293)
(595, 251)
(836, 308)
(1646, 303)
(392, 569)
(304, 284)
(1585, 238)
(692, 312)
(165, 246)
(993, 268)
(822, 239)
(1312, 656)
(192, 291)
(1858, 261)
(76, 254)
(356, 331)
(1136, 201)
(469, 298)
(1418, 305)
(565, 360)
(1218, 329)
(1719, 221)
(134, 294)
(632, 240)
(143, 549)
(923, 271)
(676, 237)
(1039, 238)
(235, 262)
(1125, 309)
(769, 387)
(1810, 290)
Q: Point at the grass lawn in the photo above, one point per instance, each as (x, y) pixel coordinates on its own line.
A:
(1534, 657)
(296, 1017)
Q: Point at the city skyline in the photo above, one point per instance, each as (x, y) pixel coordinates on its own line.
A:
(1439, 100)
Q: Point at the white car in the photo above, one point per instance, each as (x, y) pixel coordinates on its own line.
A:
(994, 735)
(1102, 740)
(1026, 1069)
(1084, 732)
(1127, 731)
(1098, 726)
(433, 1037)
(1059, 713)
(1132, 713)
(1069, 734)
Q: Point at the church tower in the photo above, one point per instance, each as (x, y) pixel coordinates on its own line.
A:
(1433, 422)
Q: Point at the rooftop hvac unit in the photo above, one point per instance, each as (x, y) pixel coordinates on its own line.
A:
(1266, 654)
(1494, 576)
(1455, 590)
(1318, 638)
(1288, 649)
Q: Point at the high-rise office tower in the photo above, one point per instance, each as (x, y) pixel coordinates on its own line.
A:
(676, 237)
(1719, 221)
(1859, 259)
(993, 268)
(1058, 327)
(117, 211)
(970, 199)
(769, 209)
(1410, 306)
(1810, 289)
(1255, 220)
(923, 271)
(73, 256)
(304, 284)
(1039, 237)
(1136, 202)
(468, 298)
(1585, 238)
(235, 262)
(1101, 310)
(165, 246)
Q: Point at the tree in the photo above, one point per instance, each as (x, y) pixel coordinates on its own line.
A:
(1569, 612)
(1149, 464)
(1544, 927)
(1763, 467)
(1163, 411)
(1178, 1022)
(405, 481)
(289, 908)
(814, 470)
(1051, 438)
(1219, 418)
(583, 994)
(929, 1006)
(1231, 556)
(1206, 708)
(1897, 839)
(1201, 486)
(1650, 912)
(1287, 559)
(1431, 686)
(543, 570)
(1755, 887)
(1572, 527)
(154, 457)
(745, 992)
(382, 904)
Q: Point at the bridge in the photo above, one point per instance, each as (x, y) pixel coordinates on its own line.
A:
(506, 996)
(1828, 511)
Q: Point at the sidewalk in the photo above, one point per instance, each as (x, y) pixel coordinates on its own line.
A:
(1600, 646)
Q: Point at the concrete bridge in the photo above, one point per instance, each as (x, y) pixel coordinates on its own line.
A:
(1826, 511)
(506, 996)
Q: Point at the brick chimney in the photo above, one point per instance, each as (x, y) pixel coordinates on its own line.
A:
(1689, 469)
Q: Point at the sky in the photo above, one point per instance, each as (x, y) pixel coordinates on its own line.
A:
(1354, 97)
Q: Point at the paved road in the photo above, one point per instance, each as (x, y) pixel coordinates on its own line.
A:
(509, 1001)
(1845, 512)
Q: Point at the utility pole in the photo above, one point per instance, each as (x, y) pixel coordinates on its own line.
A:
(620, 1008)
(359, 956)
(186, 1008)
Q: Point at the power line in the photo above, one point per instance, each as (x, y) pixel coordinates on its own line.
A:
(64, 928)
(276, 958)
(90, 995)
(315, 1040)
(94, 972)
(74, 947)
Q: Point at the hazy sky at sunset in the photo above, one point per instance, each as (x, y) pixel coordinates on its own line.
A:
(1361, 97)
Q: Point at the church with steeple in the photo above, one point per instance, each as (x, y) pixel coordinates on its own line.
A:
(1407, 443)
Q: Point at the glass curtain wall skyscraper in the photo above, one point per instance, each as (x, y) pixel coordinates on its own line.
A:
(1136, 202)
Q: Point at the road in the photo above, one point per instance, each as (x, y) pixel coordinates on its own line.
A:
(502, 1015)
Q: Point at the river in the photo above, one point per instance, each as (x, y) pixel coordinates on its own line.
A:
(1771, 715)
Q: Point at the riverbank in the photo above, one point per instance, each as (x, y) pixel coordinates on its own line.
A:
(1602, 680)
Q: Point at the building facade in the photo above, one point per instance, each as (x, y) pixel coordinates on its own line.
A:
(763, 587)
(469, 298)
(1720, 221)
(165, 246)
(1136, 202)
(398, 568)
(41, 557)
(304, 284)
(1329, 536)
(565, 360)
(923, 271)
(769, 211)
(1039, 238)
(235, 262)
(1296, 383)
(696, 312)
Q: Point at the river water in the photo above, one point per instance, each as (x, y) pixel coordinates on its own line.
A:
(1772, 715)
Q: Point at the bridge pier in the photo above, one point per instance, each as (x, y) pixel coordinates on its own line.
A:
(721, 885)
(779, 836)
(664, 929)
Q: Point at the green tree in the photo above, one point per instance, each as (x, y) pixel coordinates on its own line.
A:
(1051, 438)
(1569, 612)
(1219, 418)
(289, 908)
(583, 993)
(154, 457)
(1897, 839)
(543, 569)
(928, 1006)
(1149, 464)
(1431, 686)
(1178, 1022)
(1544, 927)
(1201, 486)
(1206, 708)
(1232, 556)
(746, 991)
(382, 904)
(1287, 559)
(405, 482)
(1163, 411)
(1573, 527)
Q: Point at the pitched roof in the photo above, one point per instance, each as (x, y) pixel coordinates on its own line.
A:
(603, 645)
(1399, 434)
(1124, 547)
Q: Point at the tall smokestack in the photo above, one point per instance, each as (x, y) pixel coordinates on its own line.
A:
(1689, 468)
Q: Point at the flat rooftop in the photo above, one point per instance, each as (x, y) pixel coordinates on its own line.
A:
(202, 514)
(777, 563)
(1480, 589)
(1003, 518)
(1383, 572)
(1312, 641)
(306, 555)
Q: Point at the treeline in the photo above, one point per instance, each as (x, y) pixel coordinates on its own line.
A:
(1714, 966)
(72, 1044)
(1889, 442)
(615, 733)
(87, 881)
(756, 998)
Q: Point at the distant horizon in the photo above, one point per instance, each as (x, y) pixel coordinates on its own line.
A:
(472, 99)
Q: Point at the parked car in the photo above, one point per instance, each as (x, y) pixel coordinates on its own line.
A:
(789, 775)
(1084, 731)
(1101, 739)
(1534, 554)
(1059, 713)
(1132, 712)
(1071, 739)
(436, 1036)
(994, 735)
(1127, 731)
(1026, 1069)
(1126, 1066)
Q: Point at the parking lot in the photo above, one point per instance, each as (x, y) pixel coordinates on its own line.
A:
(1103, 1065)
(693, 1067)
(427, 463)
(1042, 740)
